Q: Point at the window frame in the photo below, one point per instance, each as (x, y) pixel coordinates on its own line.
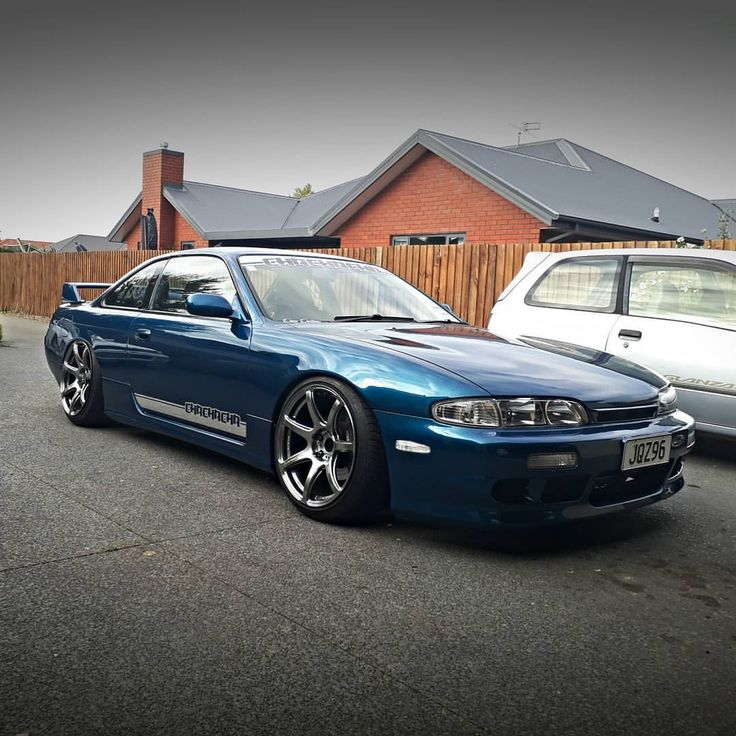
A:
(102, 300)
(186, 245)
(162, 262)
(241, 302)
(677, 262)
(618, 286)
(446, 236)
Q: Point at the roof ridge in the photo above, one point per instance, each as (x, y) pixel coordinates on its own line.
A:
(536, 143)
(488, 145)
(516, 153)
(234, 189)
(334, 186)
(291, 211)
(506, 182)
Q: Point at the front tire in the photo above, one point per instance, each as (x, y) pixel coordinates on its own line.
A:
(81, 386)
(329, 454)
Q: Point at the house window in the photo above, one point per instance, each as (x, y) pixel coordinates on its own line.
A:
(187, 244)
(429, 239)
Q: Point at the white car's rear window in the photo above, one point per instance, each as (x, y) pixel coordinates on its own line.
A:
(588, 284)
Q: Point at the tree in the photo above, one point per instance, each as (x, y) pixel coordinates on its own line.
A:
(301, 192)
(724, 222)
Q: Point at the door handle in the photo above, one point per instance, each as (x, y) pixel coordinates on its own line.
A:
(630, 335)
(143, 333)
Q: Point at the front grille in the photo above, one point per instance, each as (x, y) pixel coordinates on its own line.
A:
(629, 486)
(624, 413)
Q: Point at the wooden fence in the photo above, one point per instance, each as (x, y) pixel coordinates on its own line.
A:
(467, 277)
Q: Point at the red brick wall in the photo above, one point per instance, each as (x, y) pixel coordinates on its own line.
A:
(133, 237)
(183, 231)
(433, 196)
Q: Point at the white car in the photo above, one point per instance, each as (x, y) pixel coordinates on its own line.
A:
(671, 309)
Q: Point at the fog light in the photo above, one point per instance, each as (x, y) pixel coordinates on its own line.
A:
(678, 440)
(552, 460)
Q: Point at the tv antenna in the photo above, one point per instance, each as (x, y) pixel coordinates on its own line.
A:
(525, 128)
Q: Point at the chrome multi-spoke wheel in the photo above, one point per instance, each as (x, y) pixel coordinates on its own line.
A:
(76, 378)
(81, 386)
(316, 445)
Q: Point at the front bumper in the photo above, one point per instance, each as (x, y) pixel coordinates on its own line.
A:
(477, 476)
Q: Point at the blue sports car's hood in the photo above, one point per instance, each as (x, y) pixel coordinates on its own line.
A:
(529, 367)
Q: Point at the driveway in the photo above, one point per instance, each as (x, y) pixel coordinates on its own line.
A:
(150, 587)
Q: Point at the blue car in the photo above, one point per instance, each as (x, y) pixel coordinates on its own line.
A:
(362, 394)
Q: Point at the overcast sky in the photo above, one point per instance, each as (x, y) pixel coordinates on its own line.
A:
(269, 98)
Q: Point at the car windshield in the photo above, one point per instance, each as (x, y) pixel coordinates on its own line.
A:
(293, 288)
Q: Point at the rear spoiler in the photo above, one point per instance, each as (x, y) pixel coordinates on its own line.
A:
(70, 291)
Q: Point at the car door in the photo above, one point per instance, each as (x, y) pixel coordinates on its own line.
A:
(189, 369)
(109, 335)
(680, 319)
(574, 300)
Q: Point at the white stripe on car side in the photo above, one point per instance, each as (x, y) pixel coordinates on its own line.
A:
(205, 416)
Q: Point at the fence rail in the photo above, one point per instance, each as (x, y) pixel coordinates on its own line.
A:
(467, 277)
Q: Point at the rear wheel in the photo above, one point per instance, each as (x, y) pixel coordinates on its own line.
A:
(329, 453)
(81, 386)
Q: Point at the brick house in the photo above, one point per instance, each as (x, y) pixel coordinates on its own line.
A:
(433, 189)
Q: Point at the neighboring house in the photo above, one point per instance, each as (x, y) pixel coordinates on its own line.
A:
(434, 189)
(21, 245)
(85, 243)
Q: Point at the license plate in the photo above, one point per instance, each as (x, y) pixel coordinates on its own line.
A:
(646, 451)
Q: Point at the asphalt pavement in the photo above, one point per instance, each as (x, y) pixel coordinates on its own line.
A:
(149, 587)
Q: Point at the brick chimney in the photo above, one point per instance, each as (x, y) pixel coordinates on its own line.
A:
(160, 167)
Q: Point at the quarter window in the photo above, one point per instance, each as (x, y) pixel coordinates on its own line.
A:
(183, 277)
(135, 292)
(691, 293)
(431, 239)
(587, 284)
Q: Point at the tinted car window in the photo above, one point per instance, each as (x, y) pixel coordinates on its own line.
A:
(194, 275)
(135, 292)
(588, 284)
(691, 293)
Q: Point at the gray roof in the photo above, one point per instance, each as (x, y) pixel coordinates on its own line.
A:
(226, 213)
(727, 205)
(555, 181)
(82, 243)
(561, 183)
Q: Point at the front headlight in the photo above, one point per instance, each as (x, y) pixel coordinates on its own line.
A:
(667, 402)
(522, 412)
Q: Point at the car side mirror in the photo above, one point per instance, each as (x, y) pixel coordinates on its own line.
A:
(208, 305)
